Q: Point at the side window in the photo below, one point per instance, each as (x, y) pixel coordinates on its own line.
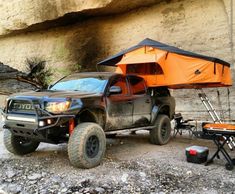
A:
(137, 85)
(144, 69)
(121, 82)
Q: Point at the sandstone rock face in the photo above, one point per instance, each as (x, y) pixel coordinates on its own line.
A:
(21, 14)
(193, 25)
(73, 33)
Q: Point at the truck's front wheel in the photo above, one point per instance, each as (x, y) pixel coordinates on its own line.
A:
(19, 145)
(161, 134)
(87, 145)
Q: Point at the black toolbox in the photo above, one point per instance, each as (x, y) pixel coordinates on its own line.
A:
(197, 154)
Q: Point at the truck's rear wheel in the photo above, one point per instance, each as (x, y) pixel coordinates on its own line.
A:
(161, 134)
(19, 145)
(87, 145)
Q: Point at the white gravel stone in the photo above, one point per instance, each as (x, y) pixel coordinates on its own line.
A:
(10, 174)
(34, 176)
(124, 177)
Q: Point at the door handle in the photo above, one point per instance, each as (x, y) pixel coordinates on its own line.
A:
(129, 102)
(147, 101)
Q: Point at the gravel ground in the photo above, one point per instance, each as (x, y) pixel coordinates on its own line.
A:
(131, 165)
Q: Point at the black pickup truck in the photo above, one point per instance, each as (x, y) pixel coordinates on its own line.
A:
(82, 109)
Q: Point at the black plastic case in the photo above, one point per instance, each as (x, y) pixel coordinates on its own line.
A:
(197, 154)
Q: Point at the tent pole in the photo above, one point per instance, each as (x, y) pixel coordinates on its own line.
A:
(231, 29)
(220, 105)
(229, 109)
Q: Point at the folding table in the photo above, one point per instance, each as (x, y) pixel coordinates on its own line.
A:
(221, 134)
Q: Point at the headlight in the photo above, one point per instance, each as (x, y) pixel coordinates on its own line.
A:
(57, 107)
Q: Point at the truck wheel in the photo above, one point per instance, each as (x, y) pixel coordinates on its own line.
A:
(161, 134)
(87, 145)
(18, 145)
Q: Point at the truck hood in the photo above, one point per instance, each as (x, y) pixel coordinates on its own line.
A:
(55, 94)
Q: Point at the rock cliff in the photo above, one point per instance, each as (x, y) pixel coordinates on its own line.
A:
(70, 34)
(19, 15)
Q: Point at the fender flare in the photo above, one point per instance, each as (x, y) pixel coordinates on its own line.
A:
(156, 110)
(95, 113)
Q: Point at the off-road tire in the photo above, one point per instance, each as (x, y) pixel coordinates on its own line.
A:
(85, 136)
(161, 134)
(18, 145)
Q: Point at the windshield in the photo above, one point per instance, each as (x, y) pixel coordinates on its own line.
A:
(84, 84)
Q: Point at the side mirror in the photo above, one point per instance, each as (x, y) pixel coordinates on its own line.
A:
(115, 90)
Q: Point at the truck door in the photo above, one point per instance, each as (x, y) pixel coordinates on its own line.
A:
(119, 106)
(142, 103)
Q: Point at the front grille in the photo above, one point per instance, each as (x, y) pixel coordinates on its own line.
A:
(21, 106)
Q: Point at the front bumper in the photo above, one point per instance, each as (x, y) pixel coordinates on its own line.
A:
(41, 125)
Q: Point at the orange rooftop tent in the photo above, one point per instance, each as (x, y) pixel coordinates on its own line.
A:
(163, 65)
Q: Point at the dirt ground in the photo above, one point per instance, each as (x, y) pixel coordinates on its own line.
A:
(131, 165)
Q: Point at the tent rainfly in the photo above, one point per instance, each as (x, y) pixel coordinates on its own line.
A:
(163, 65)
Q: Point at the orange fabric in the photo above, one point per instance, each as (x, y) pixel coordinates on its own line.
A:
(179, 71)
(219, 126)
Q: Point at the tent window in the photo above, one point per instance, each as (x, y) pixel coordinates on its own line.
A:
(145, 69)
